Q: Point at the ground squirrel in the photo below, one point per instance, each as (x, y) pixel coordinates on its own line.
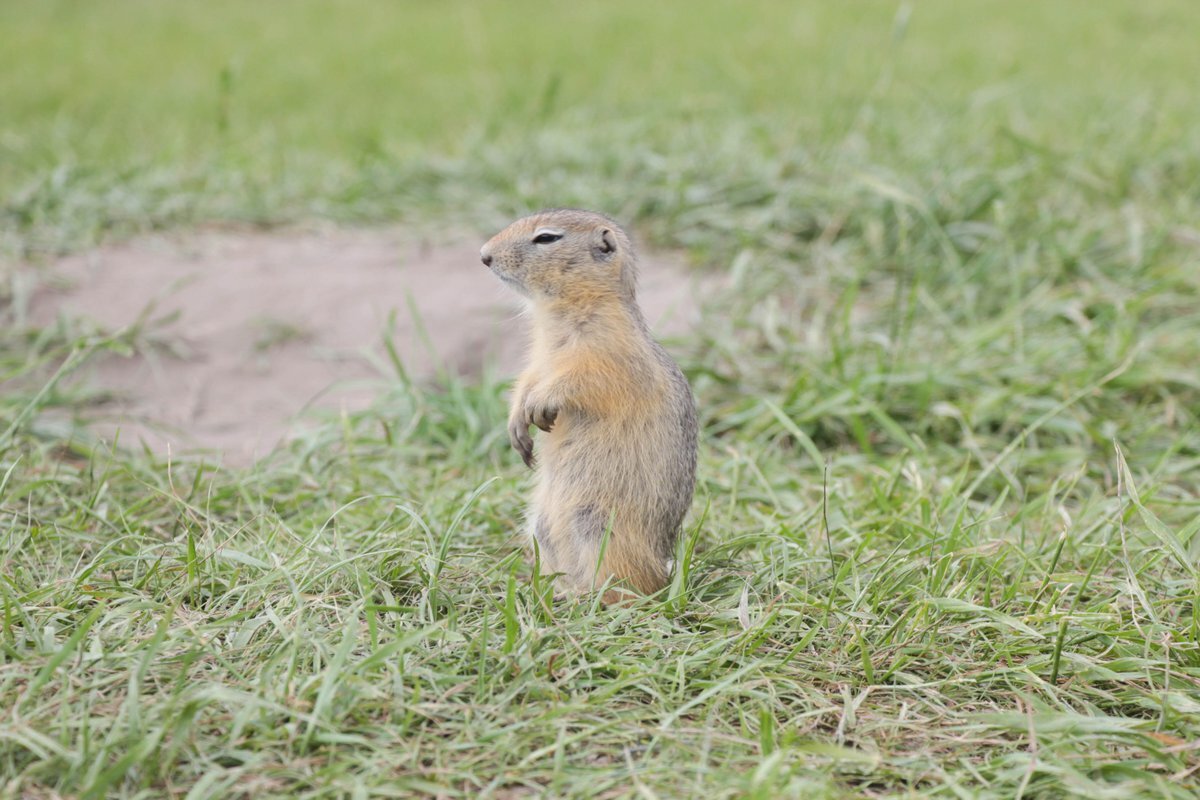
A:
(616, 467)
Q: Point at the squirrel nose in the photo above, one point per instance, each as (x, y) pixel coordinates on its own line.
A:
(487, 260)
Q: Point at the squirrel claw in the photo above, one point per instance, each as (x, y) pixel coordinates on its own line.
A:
(518, 437)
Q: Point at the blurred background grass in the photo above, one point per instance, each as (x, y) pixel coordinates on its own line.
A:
(297, 101)
(130, 80)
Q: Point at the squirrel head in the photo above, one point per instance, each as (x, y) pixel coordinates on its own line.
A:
(564, 254)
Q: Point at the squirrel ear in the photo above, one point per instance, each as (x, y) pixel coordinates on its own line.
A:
(606, 242)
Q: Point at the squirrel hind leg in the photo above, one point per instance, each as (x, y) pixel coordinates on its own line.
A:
(590, 554)
(615, 556)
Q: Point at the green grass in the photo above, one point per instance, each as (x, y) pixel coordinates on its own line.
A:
(126, 115)
(944, 543)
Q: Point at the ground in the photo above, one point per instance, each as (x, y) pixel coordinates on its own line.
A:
(944, 543)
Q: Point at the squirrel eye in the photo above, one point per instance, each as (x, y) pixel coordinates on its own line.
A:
(547, 238)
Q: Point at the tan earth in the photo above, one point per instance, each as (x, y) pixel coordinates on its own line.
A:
(244, 331)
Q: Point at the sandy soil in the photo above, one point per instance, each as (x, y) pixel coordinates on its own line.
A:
(256, 327)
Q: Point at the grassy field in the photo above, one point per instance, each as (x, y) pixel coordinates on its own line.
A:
(945, 536)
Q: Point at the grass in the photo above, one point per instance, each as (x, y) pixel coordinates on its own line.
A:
(135, 114)
(944, 543)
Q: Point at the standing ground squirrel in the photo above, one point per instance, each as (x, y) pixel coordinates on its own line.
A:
(616, 467)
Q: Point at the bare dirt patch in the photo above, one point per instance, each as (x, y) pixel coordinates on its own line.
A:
(253, 328)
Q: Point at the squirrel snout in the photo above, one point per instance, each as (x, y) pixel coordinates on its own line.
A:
(485, 257)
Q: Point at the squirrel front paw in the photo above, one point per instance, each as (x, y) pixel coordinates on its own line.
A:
(531, 413)
(540, 415)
